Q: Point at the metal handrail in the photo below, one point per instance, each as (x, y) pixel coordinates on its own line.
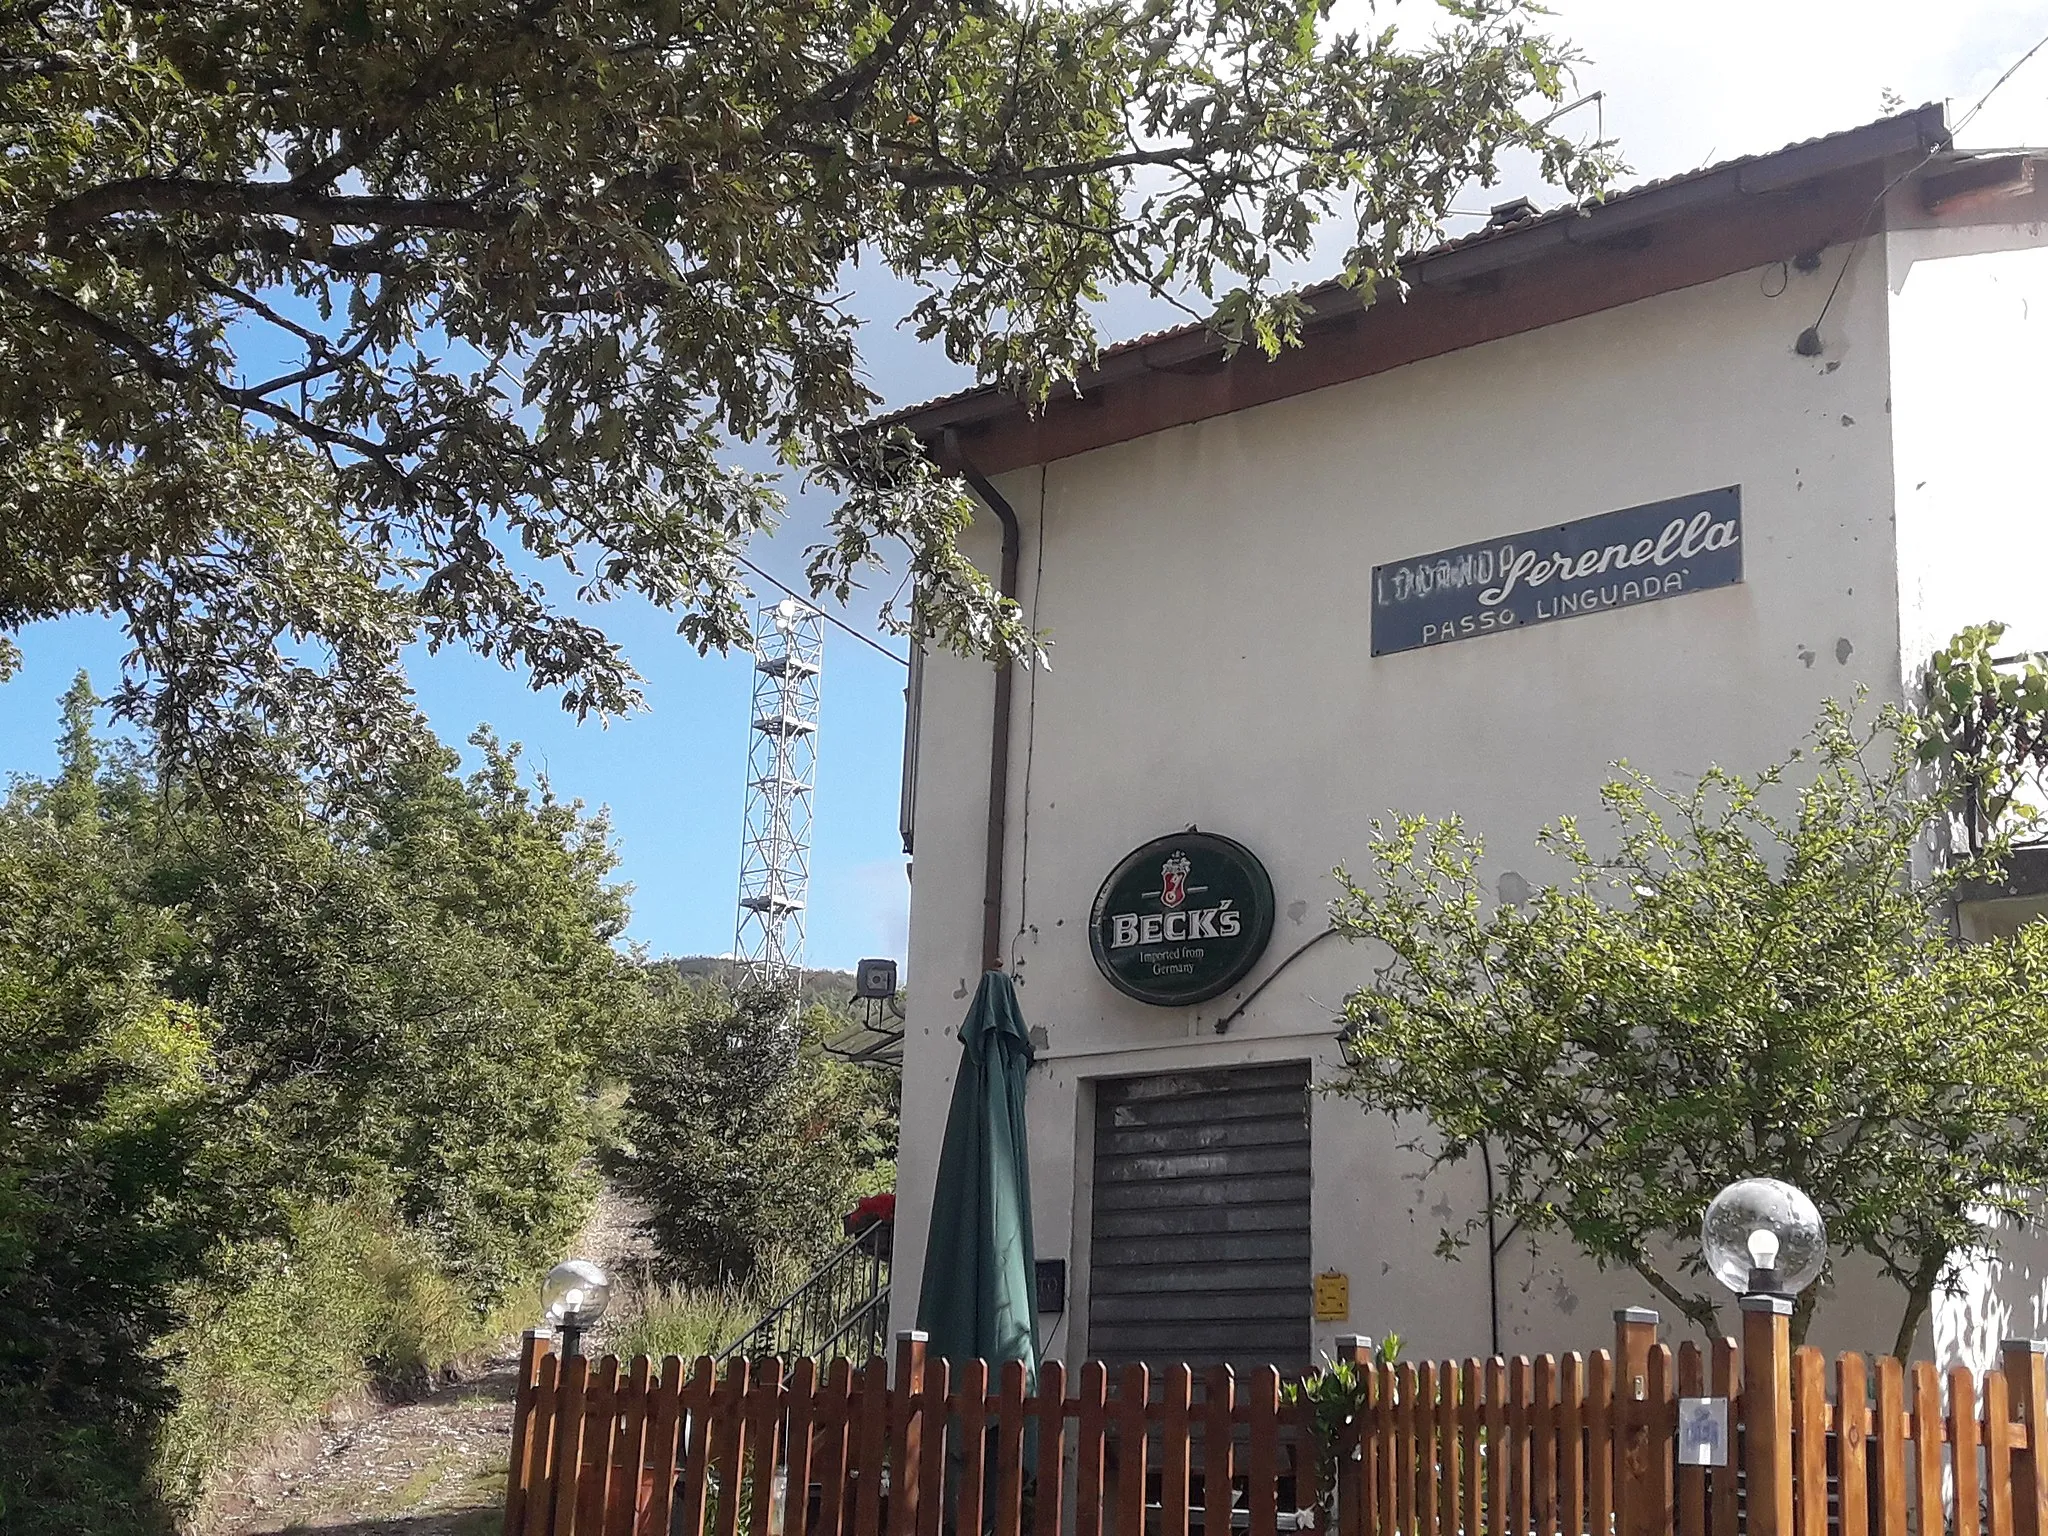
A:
(862, 1335)
(843, 1302)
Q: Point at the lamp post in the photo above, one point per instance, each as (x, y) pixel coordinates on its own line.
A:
(1765, 1241)
(572, 1300)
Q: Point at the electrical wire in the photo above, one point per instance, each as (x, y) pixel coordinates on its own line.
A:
(1595, 98)
(1972, 113)
(867, 640)
(1222, 1025)
(1812, 332)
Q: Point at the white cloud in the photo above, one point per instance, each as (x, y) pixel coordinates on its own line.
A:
(1692, 83)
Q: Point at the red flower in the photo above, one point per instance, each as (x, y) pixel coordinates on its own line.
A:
(870, 1211)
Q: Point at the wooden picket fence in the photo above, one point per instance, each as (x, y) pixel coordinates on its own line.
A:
(1557, 1446)
(647, 1450)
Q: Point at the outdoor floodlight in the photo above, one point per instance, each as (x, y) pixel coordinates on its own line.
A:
(573, 1298)
(1764, 1237)
(874, 981)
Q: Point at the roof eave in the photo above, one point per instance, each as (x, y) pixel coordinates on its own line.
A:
(1922, 131)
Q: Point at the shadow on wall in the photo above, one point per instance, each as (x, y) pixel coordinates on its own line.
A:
(1551, 1299)
(2002, 1297)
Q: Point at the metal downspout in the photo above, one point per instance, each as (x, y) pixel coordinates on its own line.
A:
(954, 459)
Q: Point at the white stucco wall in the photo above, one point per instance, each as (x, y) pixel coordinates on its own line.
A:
(1969, 327)
(1206, 588)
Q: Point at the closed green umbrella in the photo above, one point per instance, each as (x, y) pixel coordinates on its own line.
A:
(978, 1300)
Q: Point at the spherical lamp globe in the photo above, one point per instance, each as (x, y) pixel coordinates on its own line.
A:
(575, 1294)
(1764, 1236)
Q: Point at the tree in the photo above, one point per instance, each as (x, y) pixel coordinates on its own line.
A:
(1987, 726)
(331, 325)
(740, 1135)
(1761, 978)
(417, 997)
(106, 1195)
(284, 1050)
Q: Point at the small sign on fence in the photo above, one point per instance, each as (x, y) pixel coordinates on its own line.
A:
(1703, 1431)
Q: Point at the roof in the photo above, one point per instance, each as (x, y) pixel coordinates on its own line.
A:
(1791, 180)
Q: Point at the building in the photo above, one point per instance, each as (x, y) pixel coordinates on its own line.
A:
(1828, 360)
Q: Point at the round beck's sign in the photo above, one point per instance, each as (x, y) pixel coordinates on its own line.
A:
(1182, 919)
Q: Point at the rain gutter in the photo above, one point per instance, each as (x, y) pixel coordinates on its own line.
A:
(954, 460)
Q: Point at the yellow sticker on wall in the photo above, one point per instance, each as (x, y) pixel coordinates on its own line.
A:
(1333, 1298)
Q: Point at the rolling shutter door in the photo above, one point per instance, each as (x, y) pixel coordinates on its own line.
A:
(1199, 1246)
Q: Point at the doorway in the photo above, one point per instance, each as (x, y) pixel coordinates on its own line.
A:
(1199, 1233)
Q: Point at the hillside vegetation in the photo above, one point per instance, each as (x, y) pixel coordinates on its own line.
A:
(302, 1093)
(834, 989)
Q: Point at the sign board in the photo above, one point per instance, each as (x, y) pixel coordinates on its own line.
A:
(1616, 560)
(1051, 1278)
(1182, 919)
(1703, 1431)
(1333, 1298)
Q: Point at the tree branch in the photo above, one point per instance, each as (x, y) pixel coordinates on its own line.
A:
(434, 77)
(313, 339)
(1701, 1311)
(169, 370)
(154, 364)
(45, 68)
(360, 258)
(332, 363)
(842, 94)
(270, 199)
(636, 293)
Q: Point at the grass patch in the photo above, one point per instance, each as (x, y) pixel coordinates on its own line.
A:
(351, 1299)
(414, 1490)
(487, 1486)
(685, 1321)
(701, 1320)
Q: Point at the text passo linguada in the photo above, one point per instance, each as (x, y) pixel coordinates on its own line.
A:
(1615, 560)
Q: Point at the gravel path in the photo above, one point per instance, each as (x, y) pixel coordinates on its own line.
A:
(434, 1466)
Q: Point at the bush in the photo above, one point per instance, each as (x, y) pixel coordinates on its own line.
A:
(701, 1320)
(418, 1002)
(352, 1297)
(685, 1320)
(287, 1102)
(80, 1479)
(742, 1136)
(104, 1195)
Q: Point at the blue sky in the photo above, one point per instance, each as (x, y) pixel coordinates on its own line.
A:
(673, 774)
(1686, 83)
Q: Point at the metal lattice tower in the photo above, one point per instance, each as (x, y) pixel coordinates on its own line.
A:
(782, 772)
